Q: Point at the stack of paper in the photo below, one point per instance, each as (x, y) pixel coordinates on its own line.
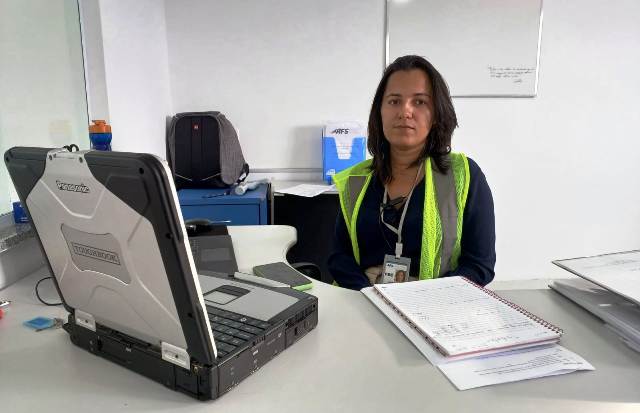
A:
(621, 315)
(611, 290)
(473, 336)
(513, 366)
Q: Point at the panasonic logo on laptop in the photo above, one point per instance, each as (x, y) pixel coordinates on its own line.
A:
(82, 188)
(97, 253)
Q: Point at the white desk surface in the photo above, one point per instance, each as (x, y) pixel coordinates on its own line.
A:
(354, 361)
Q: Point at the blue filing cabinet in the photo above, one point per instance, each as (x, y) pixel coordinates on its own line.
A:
(219, 205)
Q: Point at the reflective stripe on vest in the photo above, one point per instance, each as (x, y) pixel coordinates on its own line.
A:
(444, 201)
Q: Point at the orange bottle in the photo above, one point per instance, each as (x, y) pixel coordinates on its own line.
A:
(100, 135)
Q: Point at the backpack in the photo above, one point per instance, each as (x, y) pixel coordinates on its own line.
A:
(203, 151)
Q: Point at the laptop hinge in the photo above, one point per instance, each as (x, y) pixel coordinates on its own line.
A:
(85, 320)
(175, 355)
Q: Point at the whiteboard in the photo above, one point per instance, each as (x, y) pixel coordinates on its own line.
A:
(483, 48)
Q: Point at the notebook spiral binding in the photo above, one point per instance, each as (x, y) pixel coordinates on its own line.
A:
(519, 309)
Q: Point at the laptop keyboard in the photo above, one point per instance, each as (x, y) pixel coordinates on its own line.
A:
(231, 330)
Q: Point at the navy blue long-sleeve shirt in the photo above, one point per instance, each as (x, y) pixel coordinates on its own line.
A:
(478, 254)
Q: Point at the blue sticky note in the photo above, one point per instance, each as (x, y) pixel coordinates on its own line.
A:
(19, 214)
(39, 322)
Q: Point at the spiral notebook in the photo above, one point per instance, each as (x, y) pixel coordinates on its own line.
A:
(460, 319)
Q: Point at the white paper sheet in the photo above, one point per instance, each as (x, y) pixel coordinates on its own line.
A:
(494, 369)
(307, 190)
(516, 366)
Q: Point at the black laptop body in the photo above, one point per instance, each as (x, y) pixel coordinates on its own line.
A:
(110, 226)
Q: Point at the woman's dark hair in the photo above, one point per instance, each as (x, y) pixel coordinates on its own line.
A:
(445, 121)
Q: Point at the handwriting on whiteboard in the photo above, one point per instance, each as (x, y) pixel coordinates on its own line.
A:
(514, 74)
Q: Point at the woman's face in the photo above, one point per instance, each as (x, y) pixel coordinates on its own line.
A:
(407, 109)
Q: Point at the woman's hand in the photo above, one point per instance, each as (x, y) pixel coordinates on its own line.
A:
(374, 274)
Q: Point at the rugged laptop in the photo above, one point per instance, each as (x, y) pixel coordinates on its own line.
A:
(110, 226)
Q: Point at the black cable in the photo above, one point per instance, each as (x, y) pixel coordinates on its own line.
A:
(389, 206)
(380, 195)
(384, 236)
(71, 146)
(40, 298)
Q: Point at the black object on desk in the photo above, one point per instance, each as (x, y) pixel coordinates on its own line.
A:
(211, 247)
(315, 221)
(281, 272)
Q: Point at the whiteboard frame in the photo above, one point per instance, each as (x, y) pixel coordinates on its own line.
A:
(535, 87)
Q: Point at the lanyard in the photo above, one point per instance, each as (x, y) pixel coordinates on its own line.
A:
(398, 231)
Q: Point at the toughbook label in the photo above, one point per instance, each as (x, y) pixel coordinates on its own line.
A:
(100, 253)
(97, 253)
(63, 186)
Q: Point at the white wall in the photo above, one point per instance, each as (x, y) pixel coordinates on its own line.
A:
(42, 94)
(278, 69)
(564, 167)
(136, 73)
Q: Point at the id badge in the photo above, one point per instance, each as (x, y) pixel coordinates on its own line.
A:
(395, 269)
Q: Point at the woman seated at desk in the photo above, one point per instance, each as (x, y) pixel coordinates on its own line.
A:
(415, 207)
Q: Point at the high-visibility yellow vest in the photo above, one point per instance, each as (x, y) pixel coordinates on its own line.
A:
(445, 197)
